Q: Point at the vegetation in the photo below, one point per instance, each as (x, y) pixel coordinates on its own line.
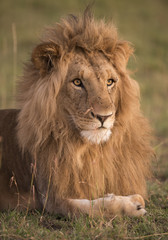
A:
(14, 225)
(144, 23)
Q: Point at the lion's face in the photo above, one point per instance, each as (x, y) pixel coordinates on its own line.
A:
(88, 95)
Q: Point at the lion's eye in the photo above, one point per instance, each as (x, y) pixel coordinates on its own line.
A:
(77, 82)
(110, 82)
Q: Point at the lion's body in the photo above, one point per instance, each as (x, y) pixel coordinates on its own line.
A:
(15, 173)
(56, 139)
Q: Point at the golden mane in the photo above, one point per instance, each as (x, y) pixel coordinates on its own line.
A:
(73, 32)
(120, 165)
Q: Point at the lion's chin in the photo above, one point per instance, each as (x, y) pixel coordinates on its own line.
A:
(96, 136)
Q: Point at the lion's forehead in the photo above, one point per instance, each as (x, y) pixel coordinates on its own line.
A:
(93, 66)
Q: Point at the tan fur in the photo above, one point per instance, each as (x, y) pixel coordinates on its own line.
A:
(53, 112)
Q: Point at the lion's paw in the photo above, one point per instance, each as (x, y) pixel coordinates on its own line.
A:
(134, 205)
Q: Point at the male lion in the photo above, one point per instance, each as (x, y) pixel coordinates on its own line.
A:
(79, 139)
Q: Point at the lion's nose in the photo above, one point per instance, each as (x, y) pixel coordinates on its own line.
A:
(101, 118)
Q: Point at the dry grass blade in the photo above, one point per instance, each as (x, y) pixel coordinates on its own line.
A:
(147, 236)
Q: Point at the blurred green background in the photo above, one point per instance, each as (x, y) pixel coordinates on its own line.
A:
(142, 22)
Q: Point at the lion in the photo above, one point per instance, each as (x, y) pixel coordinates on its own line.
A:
(78, 142)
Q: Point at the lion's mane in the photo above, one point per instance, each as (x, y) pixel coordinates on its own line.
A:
(121, 165)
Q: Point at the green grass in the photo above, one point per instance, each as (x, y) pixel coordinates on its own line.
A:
(144, 23)
(154, 225)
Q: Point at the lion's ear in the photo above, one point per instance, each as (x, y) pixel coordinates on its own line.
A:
(123, 51)
(44, 57)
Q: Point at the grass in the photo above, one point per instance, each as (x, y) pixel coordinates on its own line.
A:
(14, 225)
(144, 23)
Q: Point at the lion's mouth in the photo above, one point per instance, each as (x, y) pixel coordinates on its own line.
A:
(101, 127)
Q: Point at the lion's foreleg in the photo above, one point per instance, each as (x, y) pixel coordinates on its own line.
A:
(132, 205)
